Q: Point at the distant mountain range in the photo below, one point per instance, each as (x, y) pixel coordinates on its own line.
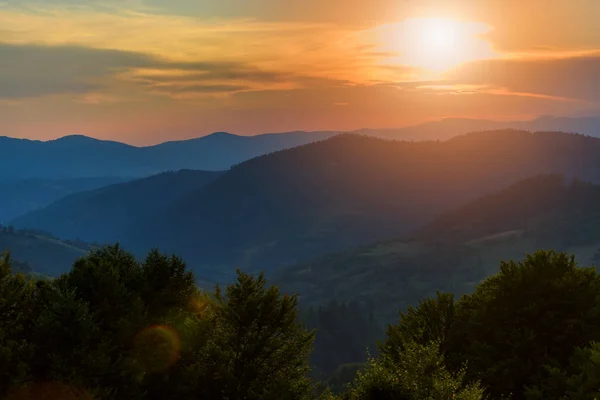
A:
(293, 205)
(34, 174)
(83, 157)
(449, 127)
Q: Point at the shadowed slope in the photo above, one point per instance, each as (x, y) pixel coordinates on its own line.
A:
(292, 205)
(458, 249)
(102, 215)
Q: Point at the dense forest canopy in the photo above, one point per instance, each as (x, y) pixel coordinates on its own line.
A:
(116, 328)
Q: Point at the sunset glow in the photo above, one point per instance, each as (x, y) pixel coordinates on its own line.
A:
(147, 71)
(435, 44)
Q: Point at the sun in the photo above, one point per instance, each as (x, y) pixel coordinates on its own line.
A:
(433, 44)
(437, 36)
(439, 44)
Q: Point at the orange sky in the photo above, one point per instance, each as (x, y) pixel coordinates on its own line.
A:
(146, 71)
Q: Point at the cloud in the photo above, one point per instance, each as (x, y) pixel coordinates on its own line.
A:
(153, 50)
(249, 112)
(572, 77)
(34, 70)
(97, 98)
(29, 71)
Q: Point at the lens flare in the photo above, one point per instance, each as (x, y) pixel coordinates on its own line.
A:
(199, 305)
(157, 348)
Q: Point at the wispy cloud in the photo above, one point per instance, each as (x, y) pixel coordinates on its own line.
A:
(34, 70)
(81, 48)
(29, 71)
(564, 76)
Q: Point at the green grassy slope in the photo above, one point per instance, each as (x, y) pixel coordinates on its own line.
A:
(44, 255)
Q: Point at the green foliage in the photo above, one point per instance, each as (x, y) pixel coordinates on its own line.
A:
(584, 380)
(16, 303)
(533, 313)
(580, 380)
(258, 349)
(115, 328)
(343, 375)
(244, 344)
(418, 373)
(431, 321)
(516, 330)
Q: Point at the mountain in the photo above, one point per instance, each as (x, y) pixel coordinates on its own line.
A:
(100, 215)
(286, 207)
(25, 195)
(443, 129)
(458, 249)
(79, 156)
(83, 157)
(293, 205)
(39, 252)
(447, 128)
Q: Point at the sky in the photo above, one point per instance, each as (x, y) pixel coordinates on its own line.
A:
(149, 71)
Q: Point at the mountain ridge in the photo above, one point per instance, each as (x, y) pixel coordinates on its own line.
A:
(281, 208)
(113, 208)
(79, 156)
(545, 121)
(274, 210)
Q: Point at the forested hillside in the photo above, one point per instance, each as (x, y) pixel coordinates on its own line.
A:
(102, 215)
(25, 195)
(458, 249)
(294, 205)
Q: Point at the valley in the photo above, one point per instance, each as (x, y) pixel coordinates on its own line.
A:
(359, 227)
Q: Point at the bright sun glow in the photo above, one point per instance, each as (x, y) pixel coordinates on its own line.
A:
(434, 44)
(437, 35)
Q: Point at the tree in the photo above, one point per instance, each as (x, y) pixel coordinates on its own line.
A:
(258, 350)
(69, 345)
(584, 380)
(432, 320)
(533, 313)
(417, 373)
(517, 325)
(116, 328)
(167, 284)
(579, 381)
(16, 309)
